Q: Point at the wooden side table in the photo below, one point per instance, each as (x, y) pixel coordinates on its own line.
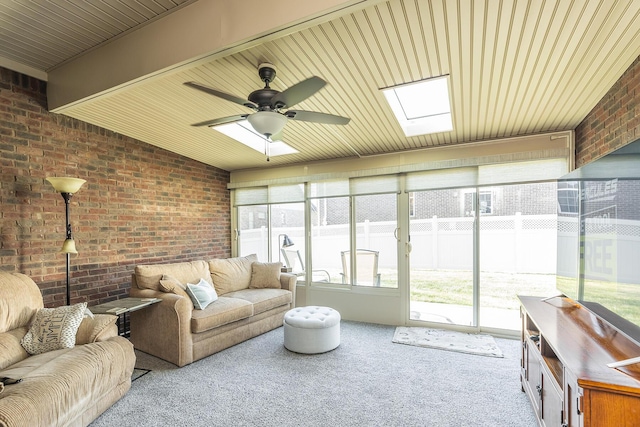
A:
(121, 307)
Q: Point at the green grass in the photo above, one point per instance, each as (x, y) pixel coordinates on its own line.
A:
(497, 290)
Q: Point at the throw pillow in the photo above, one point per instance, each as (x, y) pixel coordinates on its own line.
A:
(54, 328)
(170, 283)
(92, 328)
(202, 294)
(265, 275)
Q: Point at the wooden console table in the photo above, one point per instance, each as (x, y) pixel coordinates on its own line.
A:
(565, 352)
(121, 307)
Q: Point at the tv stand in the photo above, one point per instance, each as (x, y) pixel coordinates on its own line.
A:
(566, 350)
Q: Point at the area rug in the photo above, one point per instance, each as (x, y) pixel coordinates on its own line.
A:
(139, 372)
(479, 344)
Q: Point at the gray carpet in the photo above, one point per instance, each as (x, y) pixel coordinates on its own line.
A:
(366, 381)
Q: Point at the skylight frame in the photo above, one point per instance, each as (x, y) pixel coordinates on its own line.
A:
(244, 133)
(434, 118)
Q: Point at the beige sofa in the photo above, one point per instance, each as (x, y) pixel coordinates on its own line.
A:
(175, 331)
(63, 387)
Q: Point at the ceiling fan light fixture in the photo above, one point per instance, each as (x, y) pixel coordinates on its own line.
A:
(244, 133)
(267, 123)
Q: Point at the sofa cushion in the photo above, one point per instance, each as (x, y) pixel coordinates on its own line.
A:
(20, 298)
(11, 351)
(54, 328)
(263, 299)
(231, 274)
(59, 386)
(202, 294)
(149, 276)
(265, 275)
(222, 311)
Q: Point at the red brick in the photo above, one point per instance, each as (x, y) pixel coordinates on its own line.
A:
(613, 122)
(121, 217)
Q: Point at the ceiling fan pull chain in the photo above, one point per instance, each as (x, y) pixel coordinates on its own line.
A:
(267, 149)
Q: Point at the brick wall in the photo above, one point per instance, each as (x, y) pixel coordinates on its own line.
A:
(141, 204)
(614, 121)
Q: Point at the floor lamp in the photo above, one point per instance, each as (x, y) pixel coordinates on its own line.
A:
(67, 186)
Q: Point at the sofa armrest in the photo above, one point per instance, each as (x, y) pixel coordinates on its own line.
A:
(163, 329)
(288, 281)
(99, 328)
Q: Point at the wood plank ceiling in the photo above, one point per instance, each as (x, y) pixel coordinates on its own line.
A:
(44, 34)
(516, 67)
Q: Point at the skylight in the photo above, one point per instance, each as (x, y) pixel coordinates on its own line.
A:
(422, 107)
(244, 133)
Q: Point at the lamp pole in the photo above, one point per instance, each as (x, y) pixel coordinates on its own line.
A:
(67, 186)
(67, 198)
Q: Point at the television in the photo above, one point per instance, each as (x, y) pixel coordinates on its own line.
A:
(599, 237)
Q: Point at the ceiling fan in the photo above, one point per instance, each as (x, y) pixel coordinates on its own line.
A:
(268, 119)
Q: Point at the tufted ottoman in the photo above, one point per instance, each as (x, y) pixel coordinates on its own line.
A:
(311, 329)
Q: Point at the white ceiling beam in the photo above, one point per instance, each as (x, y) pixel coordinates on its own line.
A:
(183, 38)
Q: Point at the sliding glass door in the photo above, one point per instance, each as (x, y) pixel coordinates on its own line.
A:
(518, 229)
(441, 226)
(459, 272)
(445, 246)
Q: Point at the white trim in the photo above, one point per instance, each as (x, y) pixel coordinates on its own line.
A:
(23, 68)
(526, 148)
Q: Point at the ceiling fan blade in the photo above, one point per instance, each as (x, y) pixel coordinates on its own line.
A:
(222, 120)
(222, 95)
(297, 93)
(312, 116)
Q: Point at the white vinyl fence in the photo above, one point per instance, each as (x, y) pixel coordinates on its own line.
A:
(611, 249)
(517, 244)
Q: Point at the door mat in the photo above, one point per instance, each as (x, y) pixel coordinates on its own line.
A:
(479, 344)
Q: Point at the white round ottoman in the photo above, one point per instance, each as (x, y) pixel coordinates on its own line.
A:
(311, 329)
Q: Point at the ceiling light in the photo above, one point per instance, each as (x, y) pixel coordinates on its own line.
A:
(244, 133)
(267, 123)
(421, 107)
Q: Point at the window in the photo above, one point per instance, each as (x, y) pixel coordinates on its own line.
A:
(376, 261)
(252, 231)
(329, 236)
(265, 214)
(421, 107)
(485, 200)
(287, 219)
(412, 204)
(568, 198)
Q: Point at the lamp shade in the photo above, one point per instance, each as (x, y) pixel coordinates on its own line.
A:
(267, 123)
(66, 184)
(286, 242)
(69, 247)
